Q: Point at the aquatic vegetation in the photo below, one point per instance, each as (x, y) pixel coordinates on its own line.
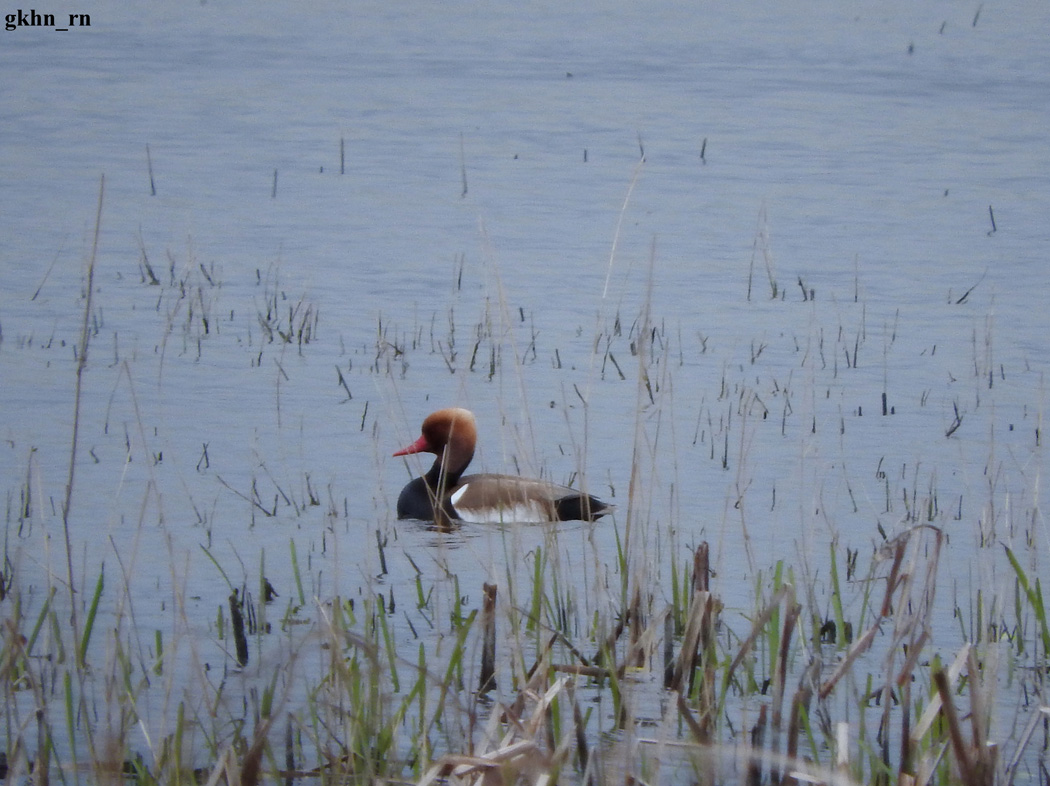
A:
(682, 640)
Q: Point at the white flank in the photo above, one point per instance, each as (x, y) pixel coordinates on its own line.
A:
(522, 512)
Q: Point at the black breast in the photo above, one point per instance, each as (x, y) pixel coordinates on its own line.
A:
(414, 502)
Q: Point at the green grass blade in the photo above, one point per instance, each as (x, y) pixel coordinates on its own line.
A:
(89, 623)
(296, 573)
(1035, 599)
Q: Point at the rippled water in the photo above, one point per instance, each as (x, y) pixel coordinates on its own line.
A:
(815, 212)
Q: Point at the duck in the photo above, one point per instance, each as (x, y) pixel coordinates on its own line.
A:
(451, 434)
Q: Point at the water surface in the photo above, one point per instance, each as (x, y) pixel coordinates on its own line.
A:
(811, 229)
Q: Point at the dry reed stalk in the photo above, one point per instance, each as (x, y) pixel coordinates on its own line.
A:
(579, 727)
(967, 769)
(702, 567)
(641, 650)
(638, 659)
(929, 715)
(487, 678)
(800, 703)
(906, 755)
(518, 754)
(1043, 715)
(668, 651)
(864, 642)
(251, 767)
(917, 585)
(699, 606)
(608, 647)
(687, 655)
(986, 750)
(558, 636)
(226, 768)
(780, 664)
(644, 347)
(707, 700)
(85, 340)
(594, 672)
(237, 623)
(758, 737)
(542, 658)
(757, 625)
(842, 747)
(82, 353)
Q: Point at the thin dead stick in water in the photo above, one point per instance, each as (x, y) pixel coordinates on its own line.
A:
(619, 224)
(48, 273)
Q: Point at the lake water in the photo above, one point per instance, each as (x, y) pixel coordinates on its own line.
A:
(842, 206)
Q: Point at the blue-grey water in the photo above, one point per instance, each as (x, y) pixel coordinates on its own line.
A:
(447, 204)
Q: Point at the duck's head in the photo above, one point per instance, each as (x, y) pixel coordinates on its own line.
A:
(450, 434)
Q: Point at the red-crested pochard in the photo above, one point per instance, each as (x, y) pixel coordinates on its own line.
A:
(451, 435)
